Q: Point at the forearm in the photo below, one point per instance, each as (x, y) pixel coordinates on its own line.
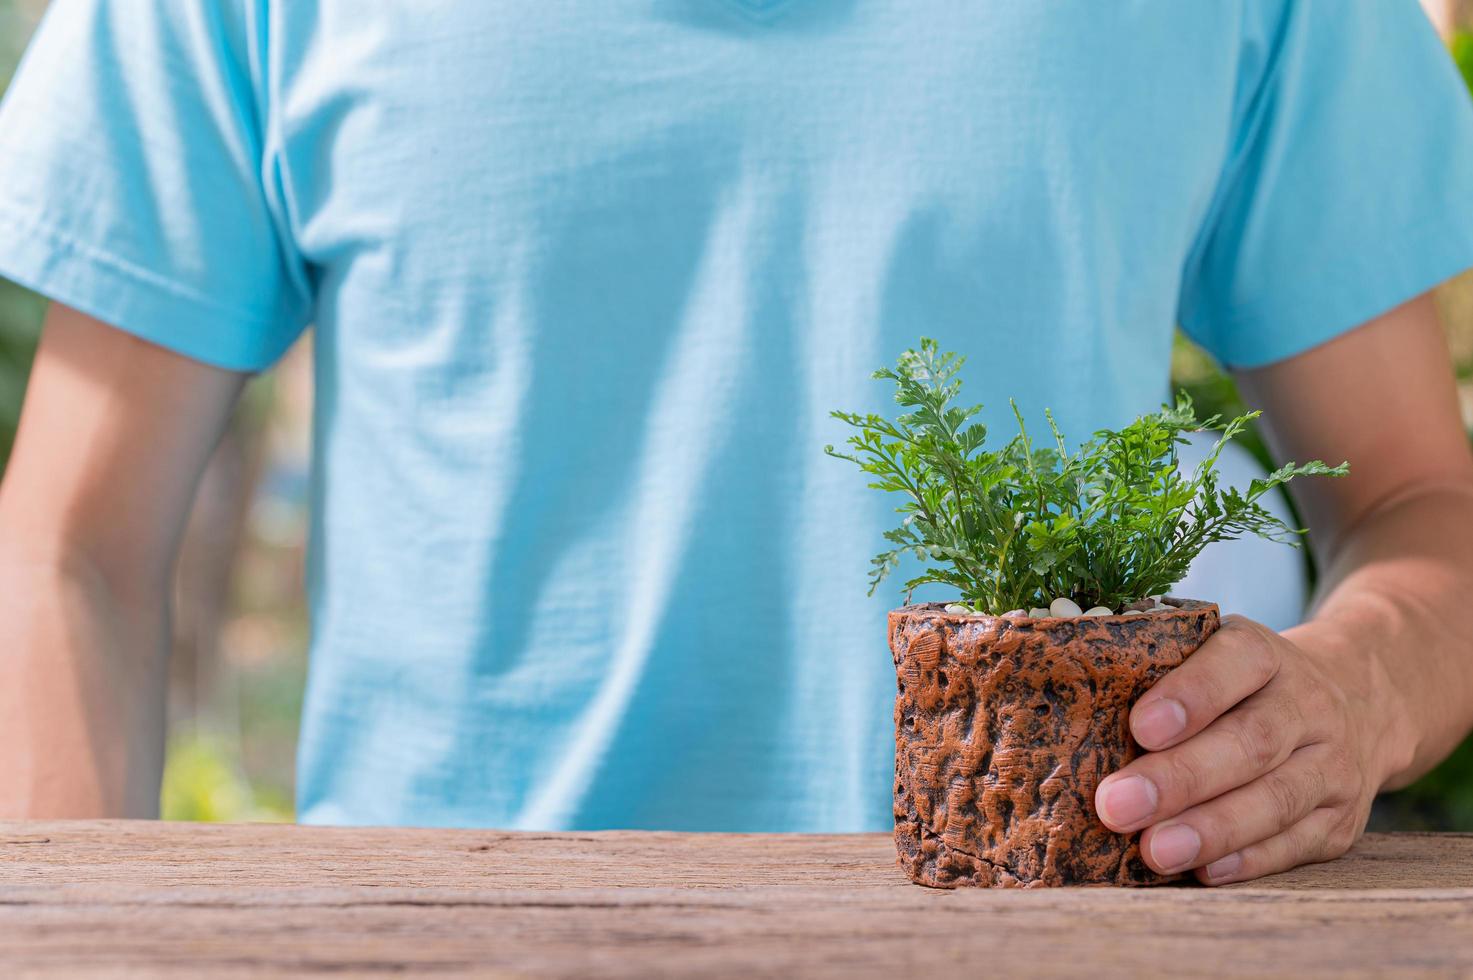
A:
(113, 436)
(1394, 615)
(82, 687)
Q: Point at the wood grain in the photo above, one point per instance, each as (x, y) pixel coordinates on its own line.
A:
(154, 899)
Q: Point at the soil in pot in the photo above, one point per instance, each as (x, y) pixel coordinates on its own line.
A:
(1004, 727)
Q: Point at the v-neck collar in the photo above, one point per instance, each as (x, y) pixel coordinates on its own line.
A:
(760, 10)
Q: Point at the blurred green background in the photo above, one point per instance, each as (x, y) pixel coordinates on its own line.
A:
(240, 649)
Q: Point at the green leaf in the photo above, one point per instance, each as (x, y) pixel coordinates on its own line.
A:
(1109, 523)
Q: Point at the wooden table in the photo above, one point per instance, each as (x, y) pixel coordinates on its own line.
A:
(151, 899)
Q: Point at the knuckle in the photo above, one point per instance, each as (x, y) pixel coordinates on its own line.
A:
(1338, 774)
(1206, 696)
(1285, 798)
(1341, 838)
(1181, 783)
(1242, 658)
(1263, 657)
(1317, 784)
(1234, 622)
(1257, 645)
(1258, 739)
(1328, 832)
(1223, 827)
(1295, 847)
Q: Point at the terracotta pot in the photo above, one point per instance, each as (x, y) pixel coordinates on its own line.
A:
(1003, 729)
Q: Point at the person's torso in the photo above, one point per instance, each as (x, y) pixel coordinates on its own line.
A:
(589, 279)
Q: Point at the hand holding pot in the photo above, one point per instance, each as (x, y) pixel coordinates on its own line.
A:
(1262, 755)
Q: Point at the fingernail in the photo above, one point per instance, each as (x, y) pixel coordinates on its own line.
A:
(1159, 722)
(1125, 801)
(1174, 846)
(1223, 867)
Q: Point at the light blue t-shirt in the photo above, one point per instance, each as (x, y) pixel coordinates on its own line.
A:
(587, 278)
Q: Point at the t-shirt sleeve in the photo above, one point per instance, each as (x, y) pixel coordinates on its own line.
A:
(1348, 185)
(136, 184)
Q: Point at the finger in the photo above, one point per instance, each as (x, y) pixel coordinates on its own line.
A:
(1325, 834)
(1242, 745)
(1237, 660)
(1264, 808)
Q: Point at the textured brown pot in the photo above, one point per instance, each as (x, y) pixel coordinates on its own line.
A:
(1003, 729)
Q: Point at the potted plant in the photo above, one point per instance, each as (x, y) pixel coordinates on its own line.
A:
(1013, 700)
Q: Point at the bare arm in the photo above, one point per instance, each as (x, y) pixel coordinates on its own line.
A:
(113, 437)
(1267, 749)
(1394, 540)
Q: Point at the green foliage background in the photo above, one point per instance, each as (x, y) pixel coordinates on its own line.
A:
(205, 780)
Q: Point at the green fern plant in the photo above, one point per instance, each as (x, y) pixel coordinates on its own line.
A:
(1012, 528)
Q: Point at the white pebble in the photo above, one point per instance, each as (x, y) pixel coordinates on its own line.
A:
(1063, 606)
(956, 608)
(1134, 612)
(1015, 614)
(1099, 611)
(1037, 612)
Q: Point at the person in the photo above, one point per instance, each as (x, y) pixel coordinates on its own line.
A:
(586, 279)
